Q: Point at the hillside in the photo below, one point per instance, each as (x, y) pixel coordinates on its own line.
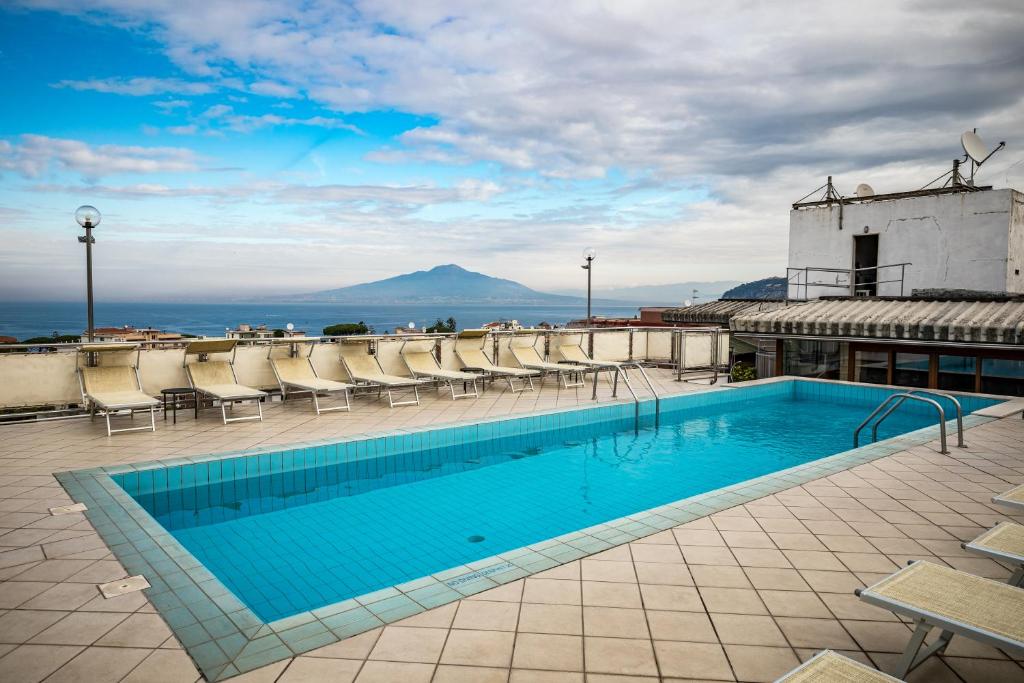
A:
(768, 288)
(441, 284)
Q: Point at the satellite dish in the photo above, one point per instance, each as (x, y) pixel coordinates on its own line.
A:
(412, 325)
(289, 327)
(687, 303)
(864, 190)
(974, 147)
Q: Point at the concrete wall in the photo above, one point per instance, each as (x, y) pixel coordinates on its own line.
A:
(49, 379)
(966, 240)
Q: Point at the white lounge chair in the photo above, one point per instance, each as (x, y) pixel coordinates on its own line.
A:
(366, 370)
(959, 603)
(528, 357)
(1004, 543)
(216, 379)
(297, 375)
(829, 667)
(469, 349)
(111, 389)
(419, 358)
(1014, 498)
(574, 353)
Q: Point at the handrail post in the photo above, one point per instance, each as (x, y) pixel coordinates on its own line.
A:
(902, 397)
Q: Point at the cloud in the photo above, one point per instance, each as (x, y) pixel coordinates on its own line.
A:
(34, 155)
(140, 86)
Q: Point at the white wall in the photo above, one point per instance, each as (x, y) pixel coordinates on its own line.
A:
(966, 240)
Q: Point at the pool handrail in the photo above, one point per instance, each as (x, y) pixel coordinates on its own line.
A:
(904, 396)
(956, 403)
(636, 400)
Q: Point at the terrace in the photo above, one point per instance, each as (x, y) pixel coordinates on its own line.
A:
(744, 590)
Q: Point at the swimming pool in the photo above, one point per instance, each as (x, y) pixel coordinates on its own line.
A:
(337, 538)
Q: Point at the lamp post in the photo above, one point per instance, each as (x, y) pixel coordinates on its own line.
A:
(88, 217)
(589, 254)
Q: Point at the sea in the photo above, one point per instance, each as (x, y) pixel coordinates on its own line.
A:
(24, 320)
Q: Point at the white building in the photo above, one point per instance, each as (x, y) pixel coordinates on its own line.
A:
(891, 245)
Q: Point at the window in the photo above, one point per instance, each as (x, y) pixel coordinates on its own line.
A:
(871, 367)
(806, 358)
(956, 373)
(911, 370)
(1000, 376)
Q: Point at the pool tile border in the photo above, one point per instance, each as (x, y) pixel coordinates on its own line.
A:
(225, 638)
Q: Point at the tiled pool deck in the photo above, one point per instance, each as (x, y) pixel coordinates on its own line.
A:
(743, 594)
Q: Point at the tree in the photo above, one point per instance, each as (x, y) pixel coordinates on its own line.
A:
(342, 329)
(448, 325)
(56, 339)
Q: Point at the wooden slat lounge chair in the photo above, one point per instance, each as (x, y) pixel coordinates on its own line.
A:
(366, 370)
(959, 603)
(471, 355)
(110, 389)
(297, 375)
(1004, 543)
(1013, 498)
(419, 358)
(528, 357)
(216, 379)
(829, 667)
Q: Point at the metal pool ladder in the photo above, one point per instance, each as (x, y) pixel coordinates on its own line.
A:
(636, 400)
(916, 395)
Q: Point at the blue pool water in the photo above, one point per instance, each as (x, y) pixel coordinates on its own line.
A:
(296, 538)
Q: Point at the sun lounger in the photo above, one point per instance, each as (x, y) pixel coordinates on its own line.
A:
(574, 353)
(216, 379)
(365, 369)
(528, 357)
(419, 358)
(472, 355)
(959, 603)
(829, 667)
(113, 388)
(297, 375)
(1013, 498)
(1004, 543)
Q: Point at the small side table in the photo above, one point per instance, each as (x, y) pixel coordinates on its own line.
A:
(175, 394)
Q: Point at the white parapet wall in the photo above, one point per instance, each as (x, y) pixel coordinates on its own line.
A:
(35, 379)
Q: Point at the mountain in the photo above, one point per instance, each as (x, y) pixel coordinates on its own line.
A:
(653, 295)
(440, 284)
(768, 288)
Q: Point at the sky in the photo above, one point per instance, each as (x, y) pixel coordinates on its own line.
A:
(247, 149)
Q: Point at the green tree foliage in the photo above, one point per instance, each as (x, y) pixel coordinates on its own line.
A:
(448, 325)
(342, 329)
(743, 372)
(56, 339)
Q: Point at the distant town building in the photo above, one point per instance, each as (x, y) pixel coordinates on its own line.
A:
(8, 340)
(410, 330)
(247, 331)
(128, 333)
(502, 325)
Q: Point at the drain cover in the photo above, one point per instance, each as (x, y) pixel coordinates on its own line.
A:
(122, 586)
(475, 539)
(68, 509)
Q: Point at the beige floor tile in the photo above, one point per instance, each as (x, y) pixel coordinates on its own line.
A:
(671, 598)
(663, 573)
(615, 622)
(550, 652)
(698, 537)
(761, 557)
(795, 604)
(560, 619)
(724, 522)
(775, 578)
(879, 636)
(698, 554)
(509, 592)
(487, 616)
(643, 552)
(20, 625)
(439, 617)
(31, 663)
(849, 606)
(797, 541)
(982, 670)
(138, 630)
(164, 666)
(732, 601)
(756, 663)
(721, 577)
(552, 591)
(314, 670)
(747, 629)
(867, 562)
(687, 626)
(570, 570)
(479, 648)
(529, 676)
(83, 628)
(100, 665)
(748, 539)
(469, 674)
(356, 647)
(620, 656)
(831, 582)
(812, 559)
(815, 633)
(621, 572)
(391, 672)
(407, 644)
(705, 661)
(605, 594)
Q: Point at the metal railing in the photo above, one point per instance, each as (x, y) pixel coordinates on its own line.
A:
(636, 399)
(801, 278)
(950, 397)
(900, 398)
(679, 346)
